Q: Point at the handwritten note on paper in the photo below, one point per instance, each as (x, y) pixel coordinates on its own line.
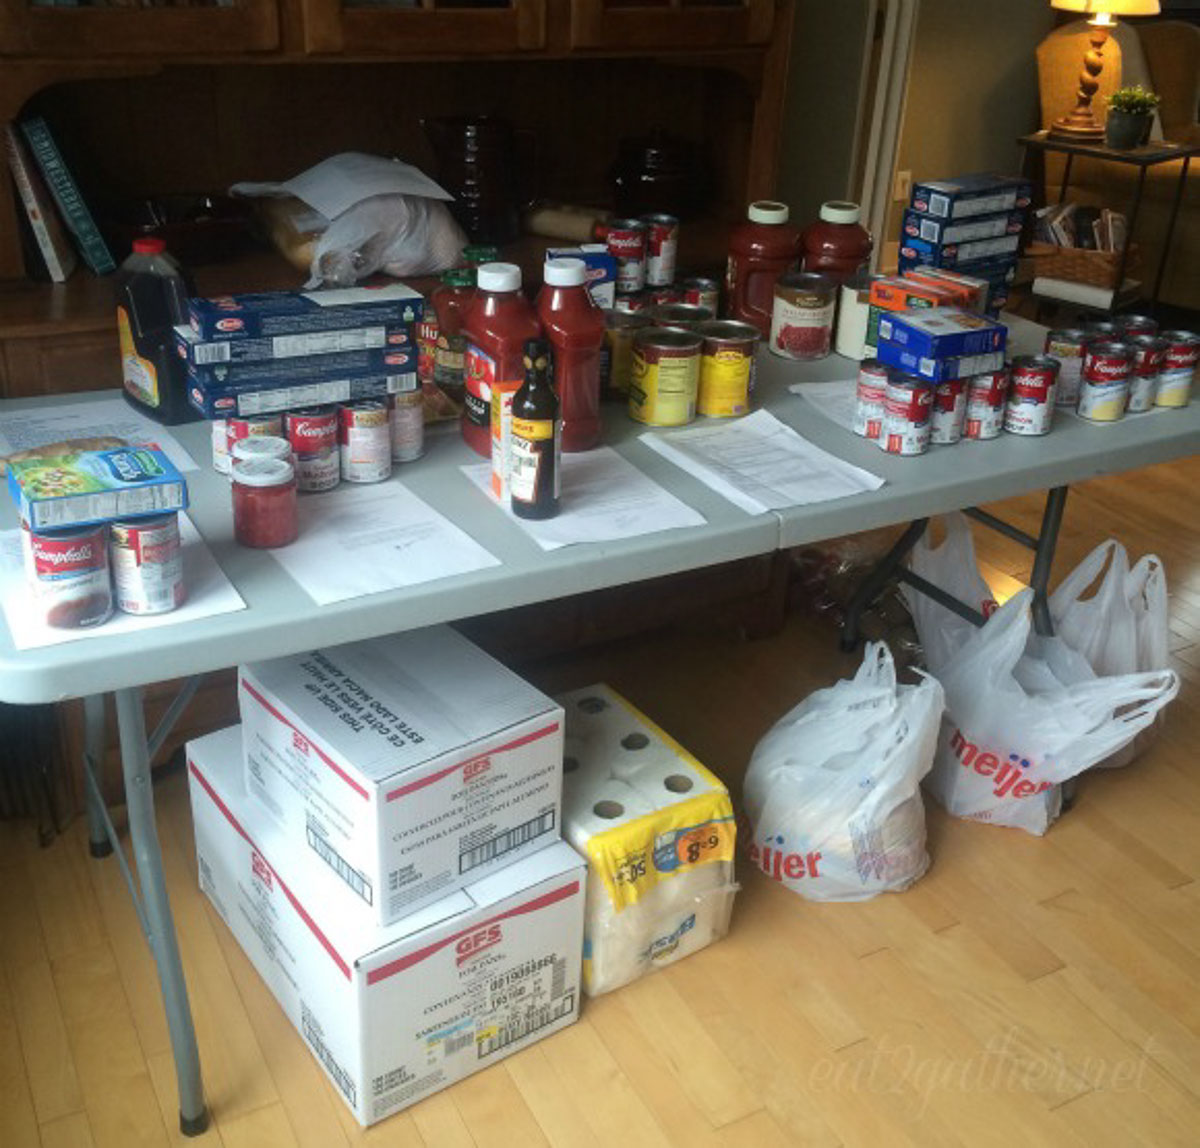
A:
(359, 540)
(604, 498)
(761, 464)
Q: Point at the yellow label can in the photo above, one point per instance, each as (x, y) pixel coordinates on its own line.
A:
(665, 378)
(726, 368)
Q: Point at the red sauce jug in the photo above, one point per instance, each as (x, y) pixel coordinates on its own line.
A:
(837, 245)
(760, 250)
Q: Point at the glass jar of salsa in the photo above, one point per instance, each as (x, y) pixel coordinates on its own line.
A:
(264, 503)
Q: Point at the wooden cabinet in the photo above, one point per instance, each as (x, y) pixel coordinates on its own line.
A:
(670, 24)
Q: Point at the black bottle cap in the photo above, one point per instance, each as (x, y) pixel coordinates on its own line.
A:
(537, 354)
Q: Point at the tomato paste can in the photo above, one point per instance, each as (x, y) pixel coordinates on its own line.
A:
(1136, 325)
(238, 427)
(872, 388)
(685, 315)
(662, 245)
(220, 446)
(726, 367)
(802, 318)
(147, 564)
(907, 416)
(627, 244)
(427, 333)
(986, 395)
(1149, 354)
(665, 378)
(1031, 386)
(408, 426)
(1067, 346)
(313, 433)
(365, 441)
(702, 292)
(616, 352)
(949, 412)
(68, 574)
(1178, 369)
(1105, 388)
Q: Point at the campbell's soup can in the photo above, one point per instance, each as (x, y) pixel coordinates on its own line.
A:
(365, 441)
(662, 245)
(1103, 331)
(702, 292)
(986, 397)
(220, 446)
(1149, 354)
(949, 412)
(634, 304)
(627, 245)
(238, 427)
(1105, 388)
(907, 416)
(1032, 381)
(869, 398)
(726, 367)
(1136, 325)
(313, 434)
(1178, 369)
(408, 426)
(68, 574)
(661, 296)
(665, 379)
(147, 564)
(1067, 346)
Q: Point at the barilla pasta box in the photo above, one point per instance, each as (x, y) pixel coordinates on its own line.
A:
(922, 251)
(290, 313)
(970, 293)
(981, 193)
(658, 833)
(937, 370)
(390, 1014)
(396, 360)
(944, 332)
(83, 487)
(197, 352)
(601, 270)
(220, 400)
(931, 229)
(409, 765)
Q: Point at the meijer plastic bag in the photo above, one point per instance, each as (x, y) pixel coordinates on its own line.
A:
(832, 794)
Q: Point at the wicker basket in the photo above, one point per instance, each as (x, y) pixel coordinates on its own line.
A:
(1079, 265)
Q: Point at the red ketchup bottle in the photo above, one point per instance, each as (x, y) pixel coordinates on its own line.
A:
(760, 250)
(498, 321)
(837, 245)
(574, 326)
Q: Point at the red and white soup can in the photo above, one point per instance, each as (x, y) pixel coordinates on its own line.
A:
(986, 395)
(1149, 354)
(365, 441)
(627, 244)
(313, 434)
(238, 427)
(1178, 370)
(1033, 380)
(147, 564)
(872, 390)
(662, 244)
(68, 573)
(907, 416)
(949, 412)
(1107, 368)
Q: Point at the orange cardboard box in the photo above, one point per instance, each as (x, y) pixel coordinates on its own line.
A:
(895, 294)
(971, 294)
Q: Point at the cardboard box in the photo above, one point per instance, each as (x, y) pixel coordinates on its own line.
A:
(981, 193)
(937, 370)
(275, 313)
(921, 251)
(931, 229)
(397, 360)
(894, 293)
(199, 353)
(220, 400)
(941, 333)
(970, 293)
(410, 764)
(392, 1014)
(601, 270)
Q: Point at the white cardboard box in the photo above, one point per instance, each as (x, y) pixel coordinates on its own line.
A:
(392, 1014)
(410, 764)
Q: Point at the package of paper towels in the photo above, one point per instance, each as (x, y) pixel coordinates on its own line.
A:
(658, 832)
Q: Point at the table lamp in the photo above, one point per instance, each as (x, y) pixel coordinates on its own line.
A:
(1081, 124)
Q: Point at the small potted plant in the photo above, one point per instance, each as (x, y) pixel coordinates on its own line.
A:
(1130, 114)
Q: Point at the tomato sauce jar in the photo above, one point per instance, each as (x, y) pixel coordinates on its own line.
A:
(264, 503)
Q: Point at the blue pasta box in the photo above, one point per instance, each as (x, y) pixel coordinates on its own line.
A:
(601, 270)
(937, 370)
(395, 360)
(932, 229)
(942, 331)
(922, 252)
(291, 313)
(286, 349)
(80, 488)
(221, 400)
(980, 193)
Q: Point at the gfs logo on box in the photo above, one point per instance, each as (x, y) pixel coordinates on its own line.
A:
(299, 742)
(476, 768)
(261, 870)
(475, 943)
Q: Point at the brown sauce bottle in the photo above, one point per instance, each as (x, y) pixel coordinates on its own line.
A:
(536, 437)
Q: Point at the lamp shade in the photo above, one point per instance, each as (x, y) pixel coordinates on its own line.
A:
(1115, 7)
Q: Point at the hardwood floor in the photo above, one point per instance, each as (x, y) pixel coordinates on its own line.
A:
(1026, 991)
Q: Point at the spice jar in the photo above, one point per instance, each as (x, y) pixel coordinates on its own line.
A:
(264, 503)
(836, 245)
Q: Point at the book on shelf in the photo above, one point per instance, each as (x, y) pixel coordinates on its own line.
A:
(67, 196)
(1086, 294)
(44, 224)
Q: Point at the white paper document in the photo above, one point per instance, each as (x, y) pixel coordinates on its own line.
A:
(761, 464)
(836, 401)
(209, 592)
(37, 426)
(357, 540)
(604, 498)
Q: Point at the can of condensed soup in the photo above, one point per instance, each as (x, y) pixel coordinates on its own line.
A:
(665, 377)
(907, 416)
(1103, 331)
(67, 571)
(365, 441)
(869, 399)
(238, 427)
(949, 412)
(659, 296)
(702, 292)
(616, 352)
(627, 244)
(726, 367)
(1136, 325)
(147, 564)
(662, 245)
(685, 315)
(802, 316)
(986, 395)
(408, 426)
(220, 446)
(1178, 369)
(1105, 388)
(1149, 354)
(1067, 346)
(1032, 381)
(313, 434)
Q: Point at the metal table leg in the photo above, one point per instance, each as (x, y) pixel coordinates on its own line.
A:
(1043, 559)
(875, 581)
(93, 725)
(1166, 251)
(160, 928)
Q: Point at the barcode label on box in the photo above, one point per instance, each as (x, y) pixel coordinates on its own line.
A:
(205, 354)
(312, 1033)
(506, 842)
(520, 1027)
(339, 864)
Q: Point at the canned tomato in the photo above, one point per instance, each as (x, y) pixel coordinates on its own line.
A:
(662, 243)
(986, 395)
(408, 426)
(1149, 353)
(1067, 346)
(313, 433)
(702, 292)
(872, 387)
(147, 564)
(616, 353)
(238, 427)
(220, 446)
(665, 376)
(907, 416)
(949, 412)
(726, 367)
(365, 441)
(802, 318)
(1136, 325)
(1031, 387)
(68, 575)
(685, 315)
(627, 244)
(1178, 369)
(1105, 387)
(427, 333)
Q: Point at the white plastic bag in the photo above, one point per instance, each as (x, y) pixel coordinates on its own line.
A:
(1005, 748)
(832, 794)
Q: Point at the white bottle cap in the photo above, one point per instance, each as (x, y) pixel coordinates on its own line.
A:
(262, 446)
(767, 211)
(498, 277)
(840, 211)
(564, 273)
(263, 472)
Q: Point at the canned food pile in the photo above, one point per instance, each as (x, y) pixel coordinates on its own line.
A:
(645, 252)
